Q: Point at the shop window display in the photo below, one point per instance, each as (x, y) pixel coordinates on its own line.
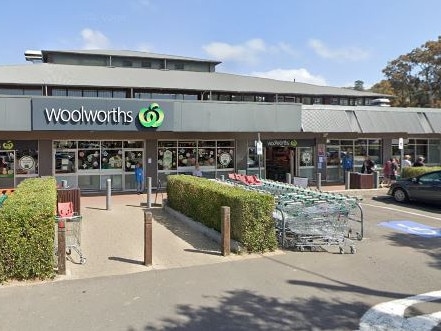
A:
(253, 158)
(65, 162)
(167, 159)
(206, 156)
(187, 154)
(131, 158)
(88, 159)
(181, 156)
(225, 158)
(26, 154)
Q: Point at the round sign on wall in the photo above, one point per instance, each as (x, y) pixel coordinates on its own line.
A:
(27, 162)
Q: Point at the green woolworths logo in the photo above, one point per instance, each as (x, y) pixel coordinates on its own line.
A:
(151, 117)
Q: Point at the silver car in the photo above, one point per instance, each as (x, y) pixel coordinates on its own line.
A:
(424, 188)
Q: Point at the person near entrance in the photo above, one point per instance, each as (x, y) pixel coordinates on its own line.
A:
(3, 166)
(139, 178)
(368, 165)
(347, 163)
(197, 170)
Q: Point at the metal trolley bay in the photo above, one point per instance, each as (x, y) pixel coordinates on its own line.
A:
(313, 227)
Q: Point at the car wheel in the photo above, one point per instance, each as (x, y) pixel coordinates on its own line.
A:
(400, 195)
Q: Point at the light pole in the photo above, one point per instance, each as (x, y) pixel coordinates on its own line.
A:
(259, 153)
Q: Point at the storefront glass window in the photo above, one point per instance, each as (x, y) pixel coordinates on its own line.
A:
(167, 158)
(214, 156)
(65, 162)
(434, 152)
(187, 153)
(88, 159)
(306, 156)
(253, 158)
(26, 154)
(131, 158)
(206, 156)
(133, 144)
(225, 158)
(65, 144)
(89, 164)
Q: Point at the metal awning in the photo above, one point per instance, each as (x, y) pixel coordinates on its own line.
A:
(434, 120)
(327, 120)
(392, 121)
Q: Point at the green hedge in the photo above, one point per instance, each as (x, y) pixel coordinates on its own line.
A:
(27, 231)
(250, 212)
(409, 172)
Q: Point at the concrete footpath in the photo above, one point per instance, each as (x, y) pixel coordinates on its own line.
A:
(112, 241)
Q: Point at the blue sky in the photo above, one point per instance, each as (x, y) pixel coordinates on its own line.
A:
(324, 42)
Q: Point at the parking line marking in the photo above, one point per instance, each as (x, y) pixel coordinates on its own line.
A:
(403, 211)
(390, 315)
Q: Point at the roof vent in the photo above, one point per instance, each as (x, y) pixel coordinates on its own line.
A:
(33, 56)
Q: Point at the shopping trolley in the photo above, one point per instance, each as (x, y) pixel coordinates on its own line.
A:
(312, 227)
(72, 222)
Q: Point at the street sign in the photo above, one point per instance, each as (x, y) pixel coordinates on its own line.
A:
(259, 148)
(400, 143)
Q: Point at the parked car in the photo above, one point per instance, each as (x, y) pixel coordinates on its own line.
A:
(424, 188)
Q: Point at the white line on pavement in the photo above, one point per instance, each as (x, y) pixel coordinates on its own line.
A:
(403, 211)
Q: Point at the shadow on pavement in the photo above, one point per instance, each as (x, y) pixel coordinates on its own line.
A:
(122, 259)
(198, 240)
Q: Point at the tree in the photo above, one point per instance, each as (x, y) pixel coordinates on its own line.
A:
(358, 85)
(415, 77)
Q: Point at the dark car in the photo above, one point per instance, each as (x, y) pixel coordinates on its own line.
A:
(424, 188)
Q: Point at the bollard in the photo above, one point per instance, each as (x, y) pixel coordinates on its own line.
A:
(376, 179)
(109, 192)
(148, 245)
(288, 178)
(61, 247)
(347, 180)
(319, 181)
(222, 177)
(225, 231)
(149, 192)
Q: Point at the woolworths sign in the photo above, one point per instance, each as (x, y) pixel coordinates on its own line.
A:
(87, 114)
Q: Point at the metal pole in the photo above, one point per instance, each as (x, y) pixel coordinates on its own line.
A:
(148, 238)
(288, 178)
(319, 181)
(401, 162)
(109, 192)
(348, 180)
(259, 156)
(61, 247)
(149, 192)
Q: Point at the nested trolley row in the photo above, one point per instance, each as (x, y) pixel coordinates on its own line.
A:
(307, 218)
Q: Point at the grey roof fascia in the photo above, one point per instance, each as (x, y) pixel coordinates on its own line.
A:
(116, 77)
(127, 53)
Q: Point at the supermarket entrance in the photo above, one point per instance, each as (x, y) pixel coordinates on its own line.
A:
(279, 161)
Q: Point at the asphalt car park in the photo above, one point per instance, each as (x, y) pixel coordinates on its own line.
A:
(392, 282)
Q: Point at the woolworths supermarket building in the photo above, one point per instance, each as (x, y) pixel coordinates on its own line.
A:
(86, 116)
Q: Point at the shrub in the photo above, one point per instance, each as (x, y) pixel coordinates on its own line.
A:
(410, 172)
(250, 212)
(27, 231)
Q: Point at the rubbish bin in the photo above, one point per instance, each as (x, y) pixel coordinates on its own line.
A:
(361, 181)
(70, 195)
